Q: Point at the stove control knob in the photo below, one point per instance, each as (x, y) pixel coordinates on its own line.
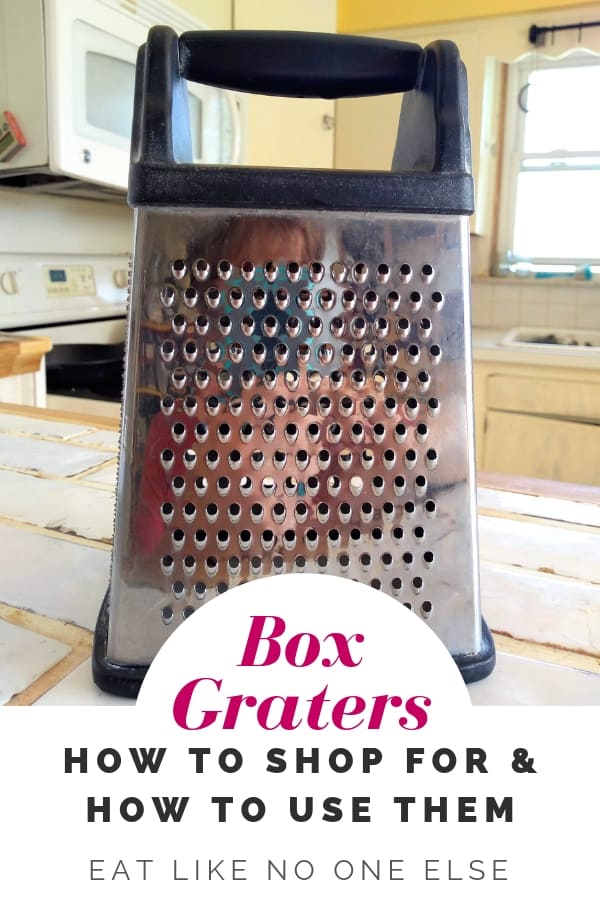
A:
(120, 278)
(8, 283)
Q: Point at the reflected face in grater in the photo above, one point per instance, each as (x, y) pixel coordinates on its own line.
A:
(299, 437)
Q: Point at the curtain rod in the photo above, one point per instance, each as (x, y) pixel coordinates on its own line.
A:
(537, 33)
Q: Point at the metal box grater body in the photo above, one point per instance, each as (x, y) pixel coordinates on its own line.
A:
(298, 393)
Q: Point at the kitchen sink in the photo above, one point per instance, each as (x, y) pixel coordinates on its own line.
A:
(553, 338)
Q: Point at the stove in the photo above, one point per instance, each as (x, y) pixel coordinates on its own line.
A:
(80, 303)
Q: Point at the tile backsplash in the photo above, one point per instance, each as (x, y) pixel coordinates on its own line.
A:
(506, 303)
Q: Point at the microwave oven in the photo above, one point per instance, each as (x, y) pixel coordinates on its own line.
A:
(66, 94)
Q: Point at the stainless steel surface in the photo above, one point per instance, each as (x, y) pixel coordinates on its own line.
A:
(298, 398)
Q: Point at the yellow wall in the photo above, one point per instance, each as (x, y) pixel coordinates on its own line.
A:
(375, 15)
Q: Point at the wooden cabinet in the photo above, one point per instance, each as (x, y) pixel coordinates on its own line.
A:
(538, 421)
(284, 132)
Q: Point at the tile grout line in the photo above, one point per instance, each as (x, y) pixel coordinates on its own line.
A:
(572, 659)
(57, 535)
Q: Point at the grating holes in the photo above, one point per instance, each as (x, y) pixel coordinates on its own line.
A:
(167, 405)
(410, 458)
(370, 301)
(311, 539)
(343, 562)
(201, 485)
(301, 510)
(390, 406)
(212, 405)
(396, 586)
(179, 324)
(388, 510)
(167, 296)
(259, 406)
(257, 512)
(334, 485)
(245, 539)
(179, 378)
(427, 273)
(347, 354)
(367, 511)
(315, 326)
(314, 380)
(167, 458)
(190, 297)
(355, 536)
(349, 300)
(222, 587)
(300, 563)
(200, 539)
(259, 353)
(345, 459)
(360, 272)
(302, 459)
(405, 273)
(292, 379)
(377, 535)
(178, 432)
(247, 270)
(167, 351)
(365, 561)
(358, 327)
(435, 354)
(369, 354)
(424, 328)
(379, 380)
(431, 458)
(358, 379)
(234, 565)
(212, 513)
(430, 508)
(269, 432)
(379, 432)
(382, 328)
(234, 513)
(223, 539)
(413, 354)
(337, 327)
(391, 354)
(248, 326)
(190, 405)
(383, 273)
(179, 268)
(247, 379)
(201, 269)
(167, 614)
(293, 271)
(178, 485)
(270, 270)
(326, 354)
(389, 458)
(282, 298)
(256, 565)
(333, 538)
(224, 269)
(257, 459)
(236, 297)
(278, 512)
(290, 485)
(357, 433)
(190, 351)
(367, 459)
(411, 407)
(419, 534)
(324, 459)
(428, 559)
(289, 539)
(415, 301)
(212, 297)
(377, 485)
(267, 540)
(422, 432)
(202, 379)
(223, 486)
(178, 538)
(235, 406)
(278, 565)
(437, 300)
(397, 534)
(304, 299)
(316, 271)
(433, 406)
(312, 486)
(407, 560)
(259, 298)
(420, 485)
(213, 351)
(417, 586)
(211, 565)
(281, 354)
(293, 326)
(270, 380)
(387, 561)
(268, 486)
(326, 299)
(338, 271)
(392, 301)
(167, 564)
(224, 432)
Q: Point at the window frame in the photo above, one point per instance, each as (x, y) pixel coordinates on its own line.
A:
(513, 156)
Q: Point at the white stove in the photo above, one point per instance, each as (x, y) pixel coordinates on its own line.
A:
(73, 299)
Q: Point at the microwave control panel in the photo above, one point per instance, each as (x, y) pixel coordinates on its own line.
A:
(70, 281)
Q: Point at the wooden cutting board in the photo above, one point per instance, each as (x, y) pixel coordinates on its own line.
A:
(20, 354)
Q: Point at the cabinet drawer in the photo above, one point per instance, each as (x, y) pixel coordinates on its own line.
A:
(545, 396)
(517, 444)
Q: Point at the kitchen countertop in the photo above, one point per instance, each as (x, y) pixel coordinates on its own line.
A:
(20, 355)
(488, 347)
(539, 548)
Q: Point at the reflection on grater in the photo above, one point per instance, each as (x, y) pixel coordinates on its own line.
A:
(298, 399)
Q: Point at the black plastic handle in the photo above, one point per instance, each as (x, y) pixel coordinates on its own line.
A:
(432, 161)
(299, 64)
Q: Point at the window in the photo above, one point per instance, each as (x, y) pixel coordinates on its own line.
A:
(550, 200)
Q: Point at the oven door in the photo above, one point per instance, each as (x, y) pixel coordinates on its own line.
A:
(84, 369)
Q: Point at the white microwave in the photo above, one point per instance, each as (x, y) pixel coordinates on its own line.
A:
(66, 94)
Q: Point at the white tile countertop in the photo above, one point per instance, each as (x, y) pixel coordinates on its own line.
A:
(539, 549)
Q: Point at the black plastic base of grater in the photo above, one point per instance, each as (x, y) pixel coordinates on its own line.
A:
(125, 681)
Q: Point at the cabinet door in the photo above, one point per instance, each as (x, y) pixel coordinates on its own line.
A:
(284, 132)
(519, 444)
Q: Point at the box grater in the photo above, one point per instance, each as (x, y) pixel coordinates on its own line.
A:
(298, 385)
